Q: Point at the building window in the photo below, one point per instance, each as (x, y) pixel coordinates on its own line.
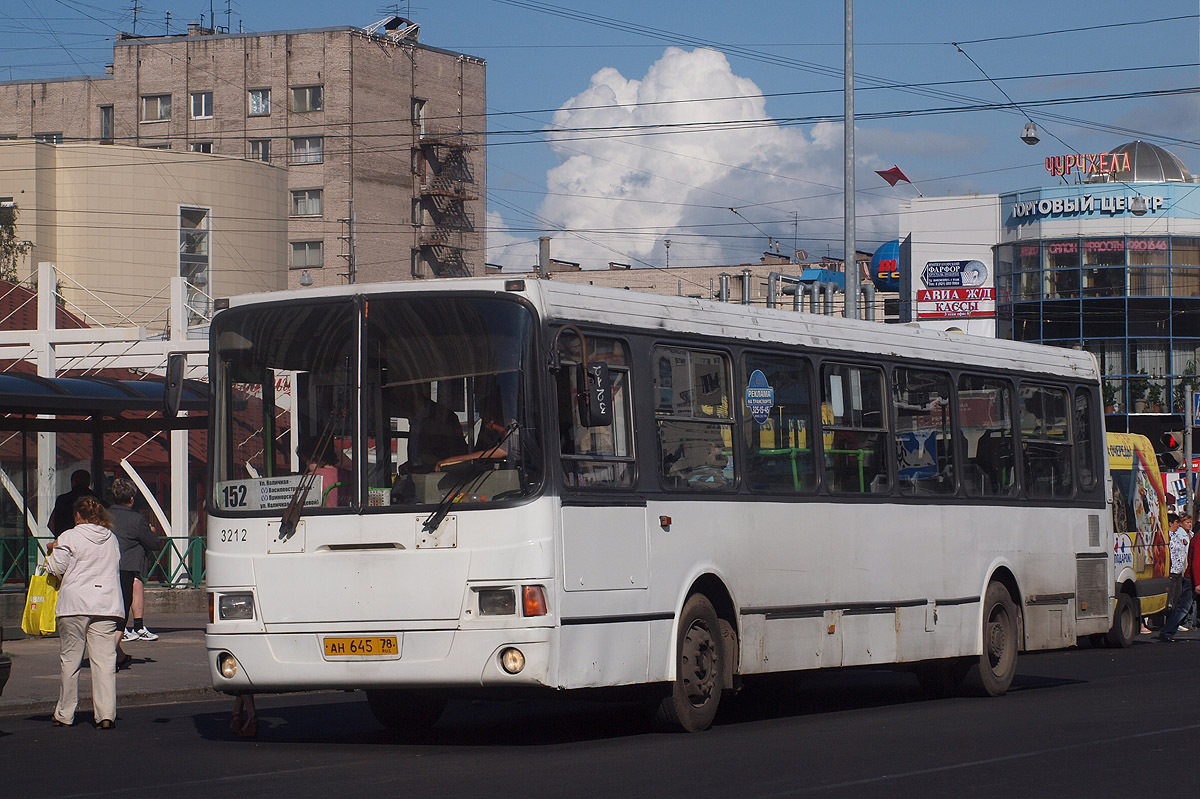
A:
(260, 150)
(307, 98)
(307, 254)
(306, 202)
(107, 123)
(48, 138)
(260, 102)
(156, 107)
(418, 213)
(194, 233)
(308, 150)
(202, 105)
(418, 114)
(200, 147)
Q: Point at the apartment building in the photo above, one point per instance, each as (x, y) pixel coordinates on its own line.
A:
(381, 136)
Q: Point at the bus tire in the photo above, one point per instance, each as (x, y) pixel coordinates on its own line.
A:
(1125, 622)
(403, 711)
(998, 661)
(691, 703)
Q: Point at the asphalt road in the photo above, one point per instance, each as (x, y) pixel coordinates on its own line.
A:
(1082, 722)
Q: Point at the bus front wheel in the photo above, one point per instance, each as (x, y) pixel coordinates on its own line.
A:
(1125, 622)
(402, 711)
(691, 704)
(998, 661)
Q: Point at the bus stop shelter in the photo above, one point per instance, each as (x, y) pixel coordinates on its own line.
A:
(86, 410)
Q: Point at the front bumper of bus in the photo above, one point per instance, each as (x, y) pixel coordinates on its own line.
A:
(296, 661)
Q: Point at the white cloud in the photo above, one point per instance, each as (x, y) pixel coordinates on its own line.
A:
(513, 253)
(624, 195)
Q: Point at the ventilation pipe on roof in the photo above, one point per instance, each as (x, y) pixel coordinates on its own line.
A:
(723, 292)
(544, 257)
(868, 300)
(746, 285)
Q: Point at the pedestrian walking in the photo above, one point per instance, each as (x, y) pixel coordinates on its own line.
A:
(244, 721)
(86, 559)
(1187, 595)
(62, 518)
(138, 543)
(1177, 540)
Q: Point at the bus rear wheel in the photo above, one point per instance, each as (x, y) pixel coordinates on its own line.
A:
(404, 711)
(691, 704)
(1125, 622)
(998, 661)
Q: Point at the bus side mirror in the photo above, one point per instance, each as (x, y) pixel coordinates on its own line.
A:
(595, 395)
(173, 387)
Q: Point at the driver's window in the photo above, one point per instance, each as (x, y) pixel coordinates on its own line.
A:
(693, 415)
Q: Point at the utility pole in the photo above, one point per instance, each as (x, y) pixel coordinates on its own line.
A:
(849, 245)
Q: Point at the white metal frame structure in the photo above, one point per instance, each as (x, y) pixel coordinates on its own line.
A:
(91, 349)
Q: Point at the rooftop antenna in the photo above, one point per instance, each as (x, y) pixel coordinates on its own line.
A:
(137, 8)
(228, 14)
(395, 11)
(168, 23)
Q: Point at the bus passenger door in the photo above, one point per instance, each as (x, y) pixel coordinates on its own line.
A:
(605, 633)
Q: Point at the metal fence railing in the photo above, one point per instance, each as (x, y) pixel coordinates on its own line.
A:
(179, 562)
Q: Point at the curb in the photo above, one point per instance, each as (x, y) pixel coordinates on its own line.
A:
(138, 699)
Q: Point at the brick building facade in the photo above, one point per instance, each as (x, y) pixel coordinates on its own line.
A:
(382, 137)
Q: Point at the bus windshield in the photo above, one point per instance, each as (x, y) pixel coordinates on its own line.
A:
(393, 403)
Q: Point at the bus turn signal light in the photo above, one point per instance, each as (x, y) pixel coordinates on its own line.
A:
(533, 600)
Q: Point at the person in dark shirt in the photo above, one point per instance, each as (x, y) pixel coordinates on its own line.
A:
(62, 518)
(139, 545)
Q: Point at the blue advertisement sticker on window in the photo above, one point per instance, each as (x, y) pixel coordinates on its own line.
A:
(760, 397)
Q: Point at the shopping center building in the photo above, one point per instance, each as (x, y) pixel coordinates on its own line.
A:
(1108, 261)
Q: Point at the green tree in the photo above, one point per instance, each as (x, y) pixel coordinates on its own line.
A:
(12, 249)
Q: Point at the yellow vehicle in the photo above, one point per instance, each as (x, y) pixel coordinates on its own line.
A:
(1142, 557)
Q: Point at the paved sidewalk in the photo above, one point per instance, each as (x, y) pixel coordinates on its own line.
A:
(173, 668)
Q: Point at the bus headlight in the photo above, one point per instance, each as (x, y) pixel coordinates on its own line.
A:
(236, 607)
(497, 602)
(227, 664)
(512, 660)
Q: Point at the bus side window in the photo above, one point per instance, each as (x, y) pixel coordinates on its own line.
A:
(1085, 439)
(594, 457)
(694, 419)
(854, 417)
(986, 436)
(1046, 442)
(924, 444)
(779, 449)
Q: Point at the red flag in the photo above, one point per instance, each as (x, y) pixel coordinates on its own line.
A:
(893, 175)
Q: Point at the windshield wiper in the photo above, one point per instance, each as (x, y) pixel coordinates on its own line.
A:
(291, 514)
(439, 514)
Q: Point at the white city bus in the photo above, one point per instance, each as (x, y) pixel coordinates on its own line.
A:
(668, 492)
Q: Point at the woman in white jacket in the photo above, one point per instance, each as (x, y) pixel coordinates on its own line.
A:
(86, 558)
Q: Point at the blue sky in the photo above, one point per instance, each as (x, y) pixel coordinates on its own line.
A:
(772, 153)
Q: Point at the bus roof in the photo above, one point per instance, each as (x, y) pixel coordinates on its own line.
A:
(562, 301)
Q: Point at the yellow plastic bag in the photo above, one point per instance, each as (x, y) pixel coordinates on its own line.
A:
(40, 603)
